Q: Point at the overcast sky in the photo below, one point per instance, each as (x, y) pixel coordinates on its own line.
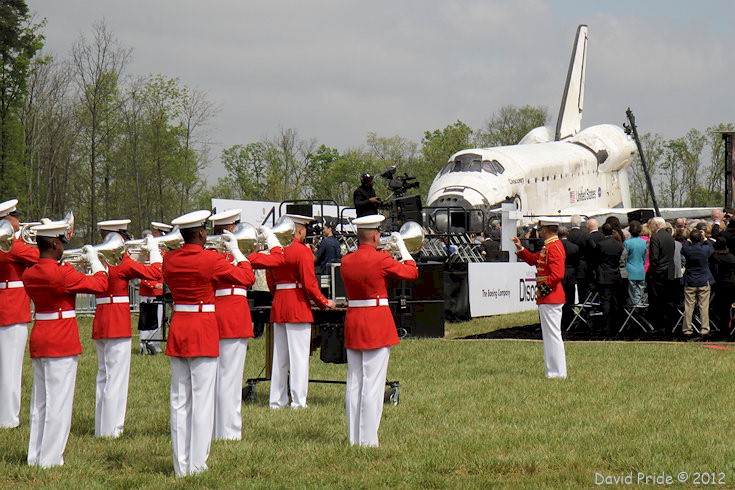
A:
(336, 70)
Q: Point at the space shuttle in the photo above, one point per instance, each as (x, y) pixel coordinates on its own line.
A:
(551, 172)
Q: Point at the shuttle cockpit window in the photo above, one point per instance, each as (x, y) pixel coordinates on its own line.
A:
(493, 166)
(468, 162)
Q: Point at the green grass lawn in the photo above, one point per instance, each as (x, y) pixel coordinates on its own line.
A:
(472, 413)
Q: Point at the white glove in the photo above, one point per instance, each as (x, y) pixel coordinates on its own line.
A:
(154, 253)
(401, 246)
(90, 254)
(270, 238)
(232, 248)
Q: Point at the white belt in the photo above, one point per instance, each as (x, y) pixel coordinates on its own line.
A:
(106, 300)
(289, 285)
(194, 308)
(231, 292)
(11, 284)
(56, 315)
(362, 303)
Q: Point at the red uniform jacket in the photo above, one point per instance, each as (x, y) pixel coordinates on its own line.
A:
(233, 311)
(364, 273)
(112, 320)
(53, 288)
(15, 306)
(192, 273)
(292, 305)
(549, 264)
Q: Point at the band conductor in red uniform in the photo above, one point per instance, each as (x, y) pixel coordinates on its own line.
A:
(549, 264)
(192, 274)
(15, 314)
(54, 343)
(112, 333)
(370, 330)
(292, 285)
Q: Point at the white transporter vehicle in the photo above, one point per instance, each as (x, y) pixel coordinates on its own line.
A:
(561, 172)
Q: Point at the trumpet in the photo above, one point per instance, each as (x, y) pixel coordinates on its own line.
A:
(171, 240)
(413, 237)
(111, 251)
(28, 234)
(7, 235)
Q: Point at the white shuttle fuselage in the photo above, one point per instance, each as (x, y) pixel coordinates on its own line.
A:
(566, 172)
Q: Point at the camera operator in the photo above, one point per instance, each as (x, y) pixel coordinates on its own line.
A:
(328, 250)
(366, 203)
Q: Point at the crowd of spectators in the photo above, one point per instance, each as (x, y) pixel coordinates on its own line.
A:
(680, 272)
(670, 269)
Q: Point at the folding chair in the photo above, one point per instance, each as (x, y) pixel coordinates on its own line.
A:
(732, 317)
(583, 311)
(636, 314)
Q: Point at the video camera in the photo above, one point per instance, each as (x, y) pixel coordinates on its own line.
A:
(399, 185)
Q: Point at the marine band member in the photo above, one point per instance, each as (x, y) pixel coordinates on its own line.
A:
(292, 285)
(112, 333)
(370, 330)
(15, 315)
(54, 343)
(550, 297)
(235, 328)
(192, 274)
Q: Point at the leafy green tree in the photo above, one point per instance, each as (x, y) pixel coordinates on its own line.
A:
(436, 148)
(98, 65)
(653, 148)
(246, 169)
(510, 124)
(20, 41)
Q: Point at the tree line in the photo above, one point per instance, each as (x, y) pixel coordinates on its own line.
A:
(80, 133)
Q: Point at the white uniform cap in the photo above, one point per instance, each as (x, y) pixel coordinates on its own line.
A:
(228, 217)
(52, 229)
(548, 222)
(161, 226)
(369, 222)
(8, 207)
(113, 224)
(194, 219)
(300, 219)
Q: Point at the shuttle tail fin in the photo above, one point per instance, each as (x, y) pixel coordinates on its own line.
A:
(572, 102)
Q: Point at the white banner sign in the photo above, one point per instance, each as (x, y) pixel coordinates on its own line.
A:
(500, 287)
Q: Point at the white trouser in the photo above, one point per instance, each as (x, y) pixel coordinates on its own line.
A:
(228, 397)
(192, 412)
(366, 370)
(52, 396)
(12, 348)
(554, 357)
(113, 373)
(291, 343)
(147, 335)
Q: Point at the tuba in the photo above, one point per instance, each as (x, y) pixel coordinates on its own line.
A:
(7, 236)
(244, 233)
(412, 234)
(171, 240)
(111, 251)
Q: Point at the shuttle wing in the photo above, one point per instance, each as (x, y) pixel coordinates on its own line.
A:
(572, 102)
